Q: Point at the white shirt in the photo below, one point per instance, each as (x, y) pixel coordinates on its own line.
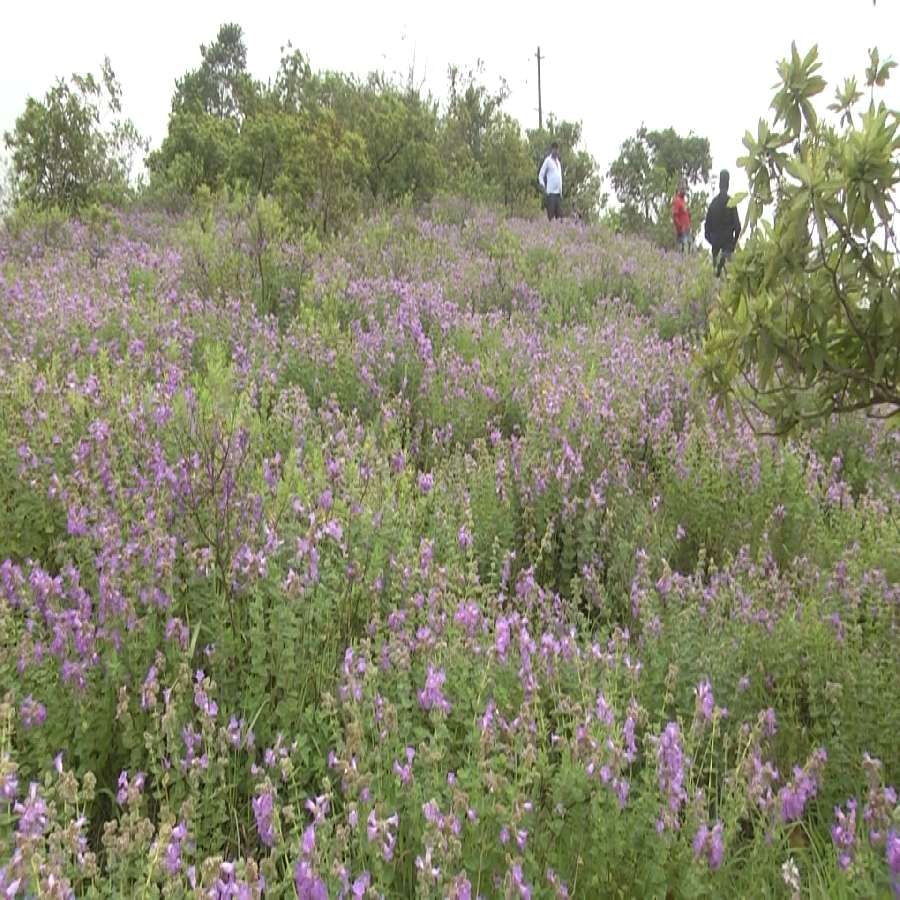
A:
(552, 169)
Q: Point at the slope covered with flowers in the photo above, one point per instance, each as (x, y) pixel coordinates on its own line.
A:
(421, 565)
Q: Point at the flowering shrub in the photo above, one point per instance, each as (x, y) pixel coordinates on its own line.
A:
(433, 574)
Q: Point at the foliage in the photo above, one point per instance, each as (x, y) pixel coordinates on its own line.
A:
(330, 147)
(414, 562)
(647, 172)
(809, 324)
(221, 87)
(73, 147)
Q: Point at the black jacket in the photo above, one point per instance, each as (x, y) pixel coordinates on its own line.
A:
(723, 224)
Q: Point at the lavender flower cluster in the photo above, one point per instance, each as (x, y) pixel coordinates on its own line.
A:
(444, 578)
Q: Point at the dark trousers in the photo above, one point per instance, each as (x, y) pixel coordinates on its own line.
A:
(720, 256)
(554, 206)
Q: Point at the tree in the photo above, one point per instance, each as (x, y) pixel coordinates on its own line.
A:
(809, 322)
(329, 146)
(73, 148)
(196, 151)
(324, 166)
(645, 176)
(400, 130)
(209, 107)
(221, 86)
(472, 109)
(509, 171)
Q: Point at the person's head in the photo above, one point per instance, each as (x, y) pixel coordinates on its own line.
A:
(682, 188)
(724, 180)
(554, 150)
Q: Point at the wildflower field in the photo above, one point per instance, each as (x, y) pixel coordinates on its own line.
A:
(421, 564)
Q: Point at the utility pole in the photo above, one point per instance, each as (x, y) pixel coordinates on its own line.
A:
(540, 110)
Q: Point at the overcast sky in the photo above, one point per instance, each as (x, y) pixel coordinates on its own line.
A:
(612, 65)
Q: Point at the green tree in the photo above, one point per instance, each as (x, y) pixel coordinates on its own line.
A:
(398, 126)
(209, 107)
(318, 184)
(472, 110)
(221, 86)
(400, 130)
(74, 147)
(809, 322)
(645, 176)
(329, 146)
(290, 92)
(508, 168)
(196, 151)
(263, 147)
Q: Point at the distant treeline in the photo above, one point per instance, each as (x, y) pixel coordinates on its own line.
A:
(326, 145)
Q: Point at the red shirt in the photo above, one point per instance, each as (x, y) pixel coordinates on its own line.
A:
(681, 215)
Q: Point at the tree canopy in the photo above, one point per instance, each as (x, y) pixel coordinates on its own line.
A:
(809, 322)
(74, 147)
(327, 145)
(646, 174)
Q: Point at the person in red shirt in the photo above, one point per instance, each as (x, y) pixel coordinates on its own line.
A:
(681, 217)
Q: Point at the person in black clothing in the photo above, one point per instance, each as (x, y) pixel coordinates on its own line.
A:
(722, 226)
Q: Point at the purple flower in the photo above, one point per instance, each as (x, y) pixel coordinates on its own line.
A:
(502, 637)
(705, 701)
(670, 772)
(426, 482)
(404, 773)
(208, 707)
(263, 810)
(802, 788)
(172, 858)
(360, 886)
(843, 833)
(318, 807)
(33, 713)
(233, 732)
(334, 530)
(150, 689)
(621, 786)
(716, 847)
(700, 839)
(519, 882)
(461, 888)
(431, 696)
(309, 886)
(892, 854)
(9, 785)
(32, 812)
(709, 844)
(129, 791)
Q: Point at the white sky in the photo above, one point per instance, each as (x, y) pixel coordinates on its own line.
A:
(612, 65)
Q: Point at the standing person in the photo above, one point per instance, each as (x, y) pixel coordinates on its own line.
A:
(723, 225)
(681, 217)
(550, 178)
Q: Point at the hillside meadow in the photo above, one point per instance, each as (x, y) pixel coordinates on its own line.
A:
(418, 562)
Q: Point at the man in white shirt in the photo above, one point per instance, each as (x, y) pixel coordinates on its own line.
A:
(550, 178)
